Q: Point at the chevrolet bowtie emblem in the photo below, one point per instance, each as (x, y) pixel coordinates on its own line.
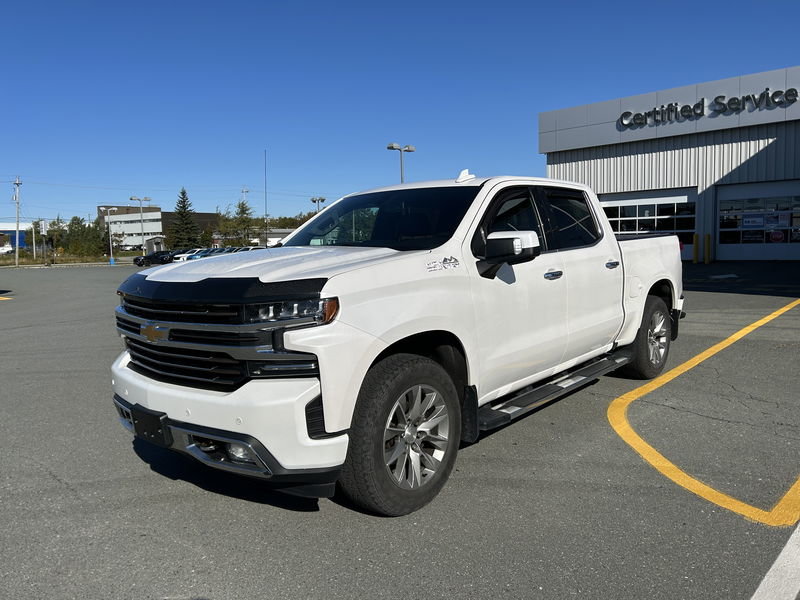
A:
(154, 333)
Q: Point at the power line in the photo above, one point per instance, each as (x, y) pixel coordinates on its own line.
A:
(163, 188)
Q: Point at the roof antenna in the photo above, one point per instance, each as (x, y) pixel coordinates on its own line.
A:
(465, 175)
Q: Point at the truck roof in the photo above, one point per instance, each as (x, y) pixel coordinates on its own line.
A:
(471, 180)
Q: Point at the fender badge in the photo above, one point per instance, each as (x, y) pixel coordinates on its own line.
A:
(451, 262)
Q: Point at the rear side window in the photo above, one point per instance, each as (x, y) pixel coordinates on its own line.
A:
(572, 223)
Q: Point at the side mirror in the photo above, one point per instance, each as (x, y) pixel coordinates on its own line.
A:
(508, 247)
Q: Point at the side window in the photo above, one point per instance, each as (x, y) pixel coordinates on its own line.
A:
(511, 210)
(571, 221)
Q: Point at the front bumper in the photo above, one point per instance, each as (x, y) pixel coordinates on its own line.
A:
(194, 440)
(267, 416)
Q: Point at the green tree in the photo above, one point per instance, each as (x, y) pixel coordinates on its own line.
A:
(243, 223)
(238, 229)
(184, 232)
(206, 238)
(83, 239)
(290, 222)
(55, 233)
(74, 236)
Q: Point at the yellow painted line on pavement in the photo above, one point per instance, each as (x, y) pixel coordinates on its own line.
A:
(785, 512)
(5, 298)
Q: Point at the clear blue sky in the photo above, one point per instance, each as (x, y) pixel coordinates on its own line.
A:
(104, 100)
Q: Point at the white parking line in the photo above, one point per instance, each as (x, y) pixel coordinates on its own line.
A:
(782, 581)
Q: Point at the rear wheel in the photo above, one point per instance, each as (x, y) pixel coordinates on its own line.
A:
(404, 437)
(651, 346)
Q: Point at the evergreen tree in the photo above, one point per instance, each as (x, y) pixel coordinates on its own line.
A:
(74, 239)
(291, 222)
(243, 223)
(184, 232)
(237, 229)
(206, 238)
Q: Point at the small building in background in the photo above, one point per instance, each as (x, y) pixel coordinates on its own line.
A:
(128, 223)
(275, 236)
(8, 231)
(155, 244)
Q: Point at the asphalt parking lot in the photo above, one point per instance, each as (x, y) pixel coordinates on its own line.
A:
(556, 505)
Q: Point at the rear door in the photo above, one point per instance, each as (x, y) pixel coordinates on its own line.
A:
(592, 265)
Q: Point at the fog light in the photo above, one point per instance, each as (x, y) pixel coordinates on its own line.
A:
(205, 444)
(240, 453)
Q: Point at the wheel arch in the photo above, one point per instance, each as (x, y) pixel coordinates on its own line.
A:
(446, 349)
(440, 346)
(664, 290)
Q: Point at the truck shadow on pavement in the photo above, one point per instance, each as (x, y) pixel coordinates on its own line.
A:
(175, 466)
(761, 278)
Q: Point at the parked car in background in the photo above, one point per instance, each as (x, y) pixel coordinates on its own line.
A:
(184, 254)
(210, 252)
(159, 257)
(202, 253)
(248, 248)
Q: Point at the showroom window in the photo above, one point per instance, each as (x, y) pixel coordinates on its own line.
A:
(760, 220)
(663, 217)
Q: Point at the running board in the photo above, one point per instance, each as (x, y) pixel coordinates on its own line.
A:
(508, 408)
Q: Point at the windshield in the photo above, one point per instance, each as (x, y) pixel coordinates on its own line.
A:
(415, 219)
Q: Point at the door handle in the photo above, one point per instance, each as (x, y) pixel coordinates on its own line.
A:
(612, 264)
(551, 275)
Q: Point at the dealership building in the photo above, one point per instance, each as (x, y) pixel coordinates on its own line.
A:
(716, 163)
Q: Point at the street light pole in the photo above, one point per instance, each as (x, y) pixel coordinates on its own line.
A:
(317, 201)
(109, 210)
(402, 149)
(141, 216)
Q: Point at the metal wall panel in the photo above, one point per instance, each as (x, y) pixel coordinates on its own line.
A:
(769, 152)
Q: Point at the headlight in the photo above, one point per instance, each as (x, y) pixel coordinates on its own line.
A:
(316, 312)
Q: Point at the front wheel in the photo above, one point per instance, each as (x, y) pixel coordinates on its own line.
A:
(404, 436)
(651, 346)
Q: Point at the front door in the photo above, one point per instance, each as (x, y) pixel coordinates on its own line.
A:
(521, 313)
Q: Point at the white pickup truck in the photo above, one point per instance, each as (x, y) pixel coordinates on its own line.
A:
(392, 327)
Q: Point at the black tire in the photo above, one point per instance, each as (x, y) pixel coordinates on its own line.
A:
(423, 442)
(651, 347)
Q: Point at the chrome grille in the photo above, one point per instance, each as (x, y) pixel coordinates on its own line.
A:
(181, 312)
(224, 338)
(214, 356)
(209, 337)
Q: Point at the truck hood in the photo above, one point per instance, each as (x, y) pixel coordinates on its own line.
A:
(275, 264)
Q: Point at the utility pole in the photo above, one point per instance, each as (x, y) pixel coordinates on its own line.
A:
(266, 214)
(33, 231)
(17, 183)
